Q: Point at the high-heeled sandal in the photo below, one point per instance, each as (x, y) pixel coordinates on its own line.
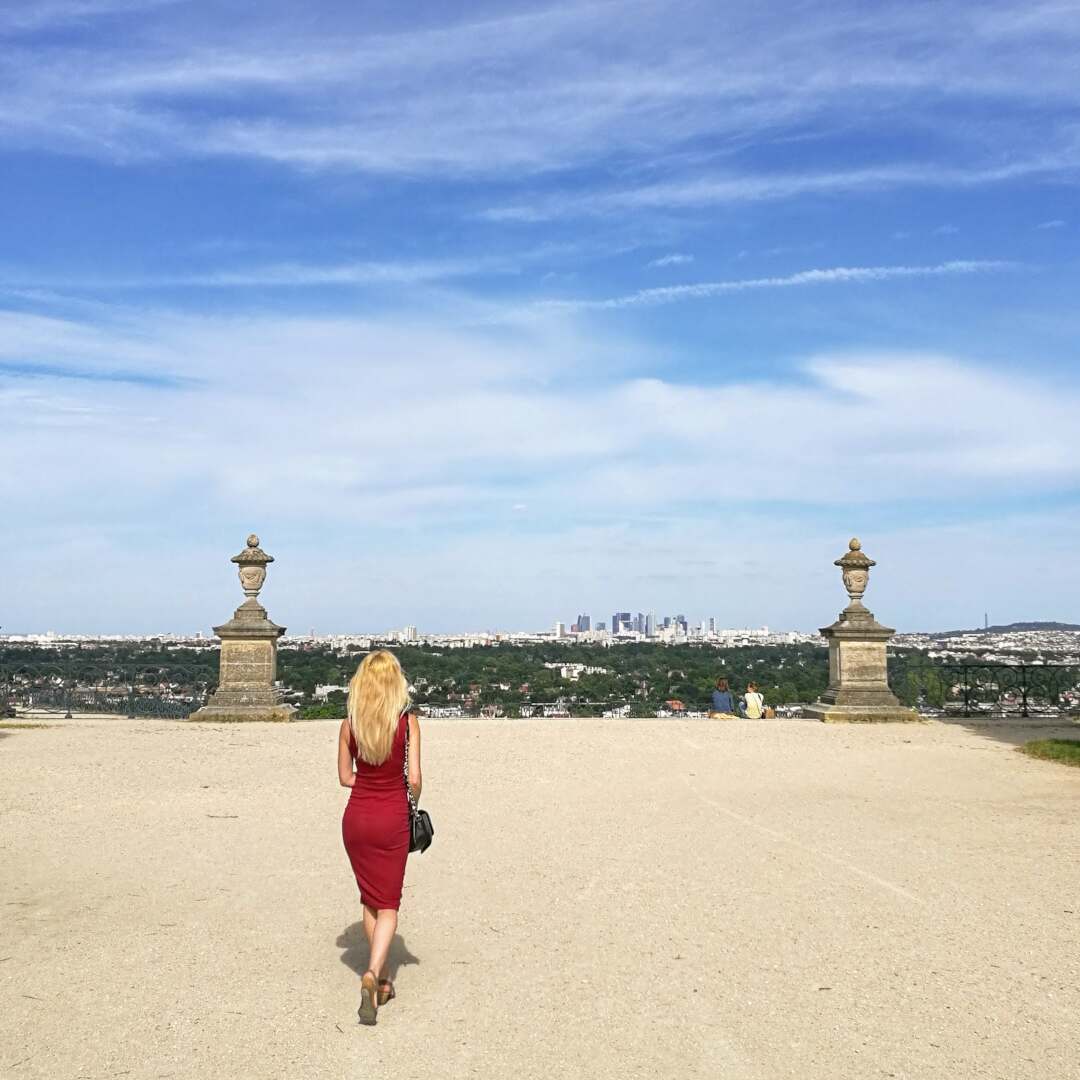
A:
(369, 998)
(386, 991)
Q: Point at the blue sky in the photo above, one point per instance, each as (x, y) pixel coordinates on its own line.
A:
(486, 314)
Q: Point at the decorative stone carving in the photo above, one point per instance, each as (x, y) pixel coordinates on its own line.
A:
(248, 666)
(855, 571)
(858, 674)
(252, 570)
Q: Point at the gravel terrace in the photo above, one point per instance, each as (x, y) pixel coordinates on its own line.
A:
(604, 898)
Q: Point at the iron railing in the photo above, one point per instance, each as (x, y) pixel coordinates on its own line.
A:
(989, 689)
(161, 691)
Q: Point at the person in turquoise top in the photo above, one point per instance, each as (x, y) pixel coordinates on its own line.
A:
(722, 699)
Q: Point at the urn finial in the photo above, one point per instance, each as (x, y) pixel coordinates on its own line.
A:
(855, 569)
(252, 563)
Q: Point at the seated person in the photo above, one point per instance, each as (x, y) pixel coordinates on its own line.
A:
(754, 703)
(723, 703)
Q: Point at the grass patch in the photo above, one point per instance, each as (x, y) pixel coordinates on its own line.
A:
(8, 724)
(1067, 751)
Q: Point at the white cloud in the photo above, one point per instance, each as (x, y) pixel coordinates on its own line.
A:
(1055, 223)
(393, 450)
(25, 16)
(674, 259)
(302, 275)
(829, 276)
(748, 187)
(538, 89)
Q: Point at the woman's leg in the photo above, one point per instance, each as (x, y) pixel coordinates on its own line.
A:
(369, 924)
(385, 929)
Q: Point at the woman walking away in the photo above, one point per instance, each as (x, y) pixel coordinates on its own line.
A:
(723, 702)
(755, 702)
(375, 826)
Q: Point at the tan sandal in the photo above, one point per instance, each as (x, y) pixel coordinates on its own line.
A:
(386, 991)
(369, 998)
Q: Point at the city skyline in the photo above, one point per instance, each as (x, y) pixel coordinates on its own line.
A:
(474, 311)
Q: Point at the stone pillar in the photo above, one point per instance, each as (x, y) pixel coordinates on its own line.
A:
(246, 688)
(858, 676)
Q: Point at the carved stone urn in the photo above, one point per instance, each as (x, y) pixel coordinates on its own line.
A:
(855, 571)
(252, 567)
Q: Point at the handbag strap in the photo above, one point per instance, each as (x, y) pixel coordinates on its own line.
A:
(405, 771)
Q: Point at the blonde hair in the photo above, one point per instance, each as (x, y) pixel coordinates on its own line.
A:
(378, 695)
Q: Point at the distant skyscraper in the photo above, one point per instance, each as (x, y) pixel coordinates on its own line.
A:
(560, 629)
(667, 621)
(584, 623)
(601, 625)
(650, 624)
(712, 624)
(620, 622)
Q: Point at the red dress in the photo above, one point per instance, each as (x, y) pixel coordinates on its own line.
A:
(375, 826)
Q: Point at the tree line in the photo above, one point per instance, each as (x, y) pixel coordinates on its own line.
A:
(644, 676)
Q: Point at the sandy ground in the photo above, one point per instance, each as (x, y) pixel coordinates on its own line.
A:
(603, 899)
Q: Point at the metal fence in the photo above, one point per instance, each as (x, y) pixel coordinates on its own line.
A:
(164, 693)
(977, 689)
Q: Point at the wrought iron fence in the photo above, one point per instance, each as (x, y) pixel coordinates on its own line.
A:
(978, 689)
(162, 691)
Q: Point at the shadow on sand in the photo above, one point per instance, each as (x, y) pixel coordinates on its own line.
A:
(355, 954)
(1016, 731)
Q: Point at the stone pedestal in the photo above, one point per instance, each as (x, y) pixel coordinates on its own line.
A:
(246, 689)
(858, 689)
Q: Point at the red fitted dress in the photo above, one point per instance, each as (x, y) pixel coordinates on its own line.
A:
(375, 826)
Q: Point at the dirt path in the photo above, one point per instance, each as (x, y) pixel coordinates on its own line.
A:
(604, 899)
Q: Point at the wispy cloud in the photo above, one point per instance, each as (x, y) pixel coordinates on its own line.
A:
(704, 191)
(563, 86)
(835, 275)
(1055, 223)
(307, 275)
(401, 428)
(675, 259)
(36, 370)
(23, 16)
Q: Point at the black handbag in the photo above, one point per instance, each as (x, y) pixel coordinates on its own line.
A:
(421, 831)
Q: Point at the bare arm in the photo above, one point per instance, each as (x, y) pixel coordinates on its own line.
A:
(416, 779)
(346, 776)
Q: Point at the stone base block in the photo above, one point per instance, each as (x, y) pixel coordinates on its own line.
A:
(860, 714)
(228, 714)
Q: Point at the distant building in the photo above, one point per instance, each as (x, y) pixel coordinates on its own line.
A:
(584, 623)
(560, 629)
(650, 625)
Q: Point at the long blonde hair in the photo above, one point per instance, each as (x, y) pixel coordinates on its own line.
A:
(378, 695)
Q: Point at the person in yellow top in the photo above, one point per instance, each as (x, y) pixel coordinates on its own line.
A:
(753, 703)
